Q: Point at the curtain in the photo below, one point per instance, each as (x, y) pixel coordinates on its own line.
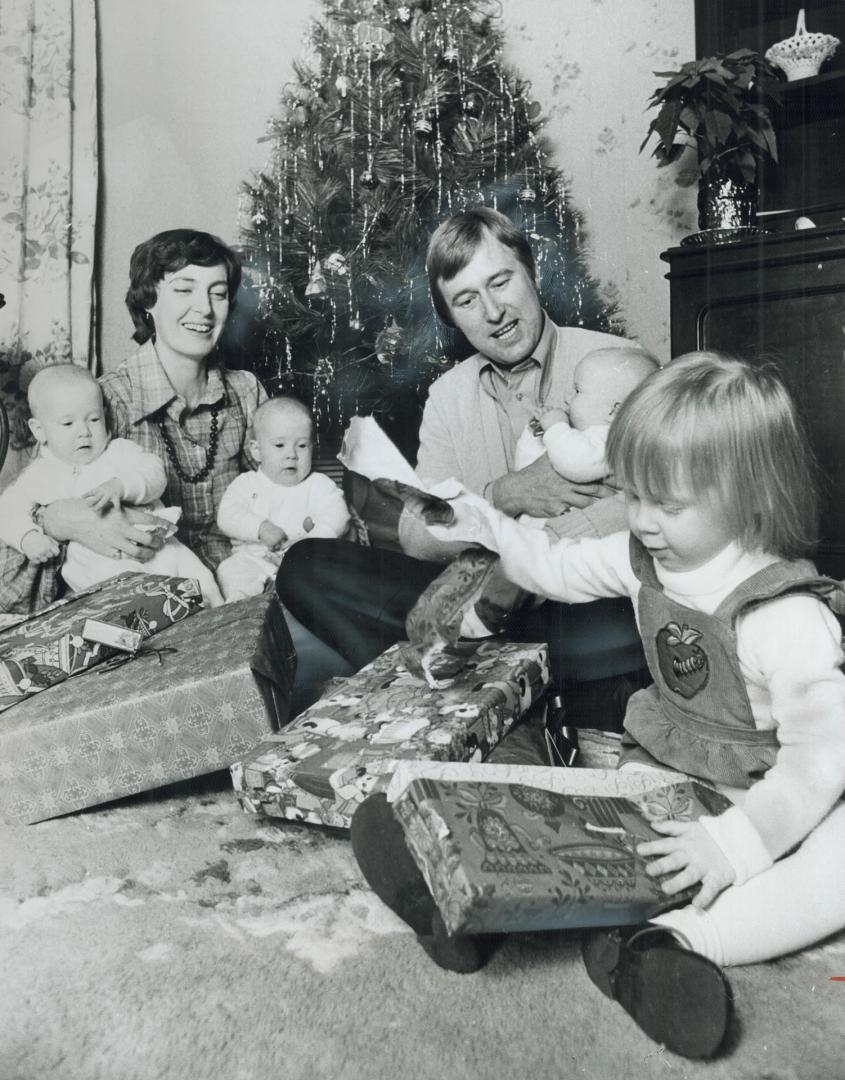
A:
(48, 196)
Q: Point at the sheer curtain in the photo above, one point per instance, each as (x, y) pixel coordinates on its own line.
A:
(48, 195)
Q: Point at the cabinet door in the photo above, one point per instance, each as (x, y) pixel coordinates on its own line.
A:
(801, 332)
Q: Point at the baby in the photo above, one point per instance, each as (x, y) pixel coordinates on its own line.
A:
(76, 457)
(266, 511)
(574, 437)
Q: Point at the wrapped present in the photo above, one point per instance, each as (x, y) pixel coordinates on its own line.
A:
(194, 699)
(510, 848)
(348, 744)
(71, 635)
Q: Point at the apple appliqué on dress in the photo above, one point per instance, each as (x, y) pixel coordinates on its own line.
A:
(683, 663)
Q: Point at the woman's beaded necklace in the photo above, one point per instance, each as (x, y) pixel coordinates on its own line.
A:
(210, 453)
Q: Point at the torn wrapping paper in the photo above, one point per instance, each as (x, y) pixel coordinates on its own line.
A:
(324, 763)
(47, 648)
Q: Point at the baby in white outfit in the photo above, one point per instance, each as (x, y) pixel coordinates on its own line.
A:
(77, 457)
(266, 511)
(575, 437)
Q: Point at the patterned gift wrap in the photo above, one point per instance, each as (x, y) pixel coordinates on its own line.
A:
(194, 699)
(44, 650)
(347, 744)
(510, 855)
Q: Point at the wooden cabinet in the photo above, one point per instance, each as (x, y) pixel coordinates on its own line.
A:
(809, 179)
(778, 298)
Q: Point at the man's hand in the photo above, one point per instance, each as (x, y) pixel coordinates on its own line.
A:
(39, 548)
(271, 536)
(112, 533)
(109, 493)
(691, 854)
(541, 492)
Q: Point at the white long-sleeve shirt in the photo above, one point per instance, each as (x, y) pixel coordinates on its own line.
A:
(47, 479)
(789, 652)
(577, 455)
(252, 498)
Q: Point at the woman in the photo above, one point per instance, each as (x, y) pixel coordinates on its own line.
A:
(176, 398)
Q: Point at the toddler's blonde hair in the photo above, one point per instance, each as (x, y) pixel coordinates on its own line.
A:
(722, 427)
(51, 378)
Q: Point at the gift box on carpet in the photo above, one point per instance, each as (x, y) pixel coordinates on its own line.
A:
(194, 699)
(326, 761)
(43, 650)
(507, 848)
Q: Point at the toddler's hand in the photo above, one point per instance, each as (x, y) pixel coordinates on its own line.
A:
(694, 854)
(109, 493)
(552, 417)
(38, 547)
(308, 524)
(271, 536)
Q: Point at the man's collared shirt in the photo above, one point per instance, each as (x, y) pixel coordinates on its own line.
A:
(139, 395)
(521, 391)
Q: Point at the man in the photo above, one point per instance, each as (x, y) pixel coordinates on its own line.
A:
(355, 599)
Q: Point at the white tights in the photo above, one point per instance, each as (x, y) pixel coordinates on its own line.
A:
(795, 903)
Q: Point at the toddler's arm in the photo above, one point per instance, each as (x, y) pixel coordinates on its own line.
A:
(791, 649)
(574, 571)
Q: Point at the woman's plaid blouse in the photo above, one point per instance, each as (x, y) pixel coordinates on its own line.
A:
(138, 394)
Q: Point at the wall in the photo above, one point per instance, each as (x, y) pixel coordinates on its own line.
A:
(188, 85)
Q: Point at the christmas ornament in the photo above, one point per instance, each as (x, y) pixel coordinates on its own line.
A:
(288, 223)
(403, 13)
(336, 263)
(368, 178)
(422, 124)
(356, 326)
(388, 343)
(373, 39)
(342, 84)
(451, 54)
(473, 104)
(317, 282)
(526, 194)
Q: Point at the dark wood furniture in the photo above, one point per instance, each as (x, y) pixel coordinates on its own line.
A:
(778, 298)
(810, 177)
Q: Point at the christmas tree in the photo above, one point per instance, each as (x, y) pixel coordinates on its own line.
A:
(402, 114)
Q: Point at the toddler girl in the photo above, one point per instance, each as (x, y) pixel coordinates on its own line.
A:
(266, 511)
(748, 693)
(77, 457)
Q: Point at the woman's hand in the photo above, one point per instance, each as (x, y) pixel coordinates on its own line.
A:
(112, 534)
(541, 492)
(691, 851)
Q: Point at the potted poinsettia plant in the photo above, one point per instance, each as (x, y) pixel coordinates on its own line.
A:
(722, 106)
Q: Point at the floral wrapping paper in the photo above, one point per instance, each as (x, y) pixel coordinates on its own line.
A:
(193, 700)
(45, 649)
(509, 856)
(347, 744)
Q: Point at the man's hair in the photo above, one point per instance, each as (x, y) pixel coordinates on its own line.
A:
(282, 403)
(455, 242)
(724, 428)
(165, 253)
(53, 376)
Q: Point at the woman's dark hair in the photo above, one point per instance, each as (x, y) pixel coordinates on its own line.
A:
(165, 253)
(456, 240)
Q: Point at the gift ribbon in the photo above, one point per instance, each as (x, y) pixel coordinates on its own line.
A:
(144, 651)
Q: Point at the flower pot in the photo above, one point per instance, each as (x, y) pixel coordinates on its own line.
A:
(727, 210)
